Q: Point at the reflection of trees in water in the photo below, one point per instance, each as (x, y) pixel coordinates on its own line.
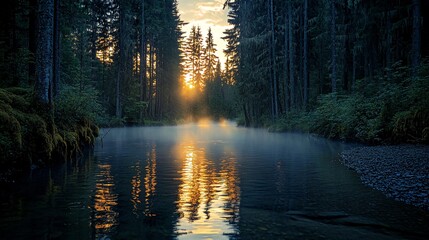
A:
(136, 189)
(105, 200)
(232, 189)
(149, 185)
(208, 201)
(210, 188)
(150, 182)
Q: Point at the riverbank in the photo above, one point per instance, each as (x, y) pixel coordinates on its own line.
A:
(28, 137)
(401, 172)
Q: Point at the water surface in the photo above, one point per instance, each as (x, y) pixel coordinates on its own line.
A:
(204, 181)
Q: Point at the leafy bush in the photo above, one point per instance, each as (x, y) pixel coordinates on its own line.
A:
(381, 112)
(75, 105)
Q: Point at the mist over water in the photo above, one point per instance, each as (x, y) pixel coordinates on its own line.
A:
(205, 180)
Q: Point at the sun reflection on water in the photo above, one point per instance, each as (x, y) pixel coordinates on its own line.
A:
(209, 195)
(136, 189)
(105, 200)
(150, 182)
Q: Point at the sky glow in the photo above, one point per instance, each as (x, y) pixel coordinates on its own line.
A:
(206, 13)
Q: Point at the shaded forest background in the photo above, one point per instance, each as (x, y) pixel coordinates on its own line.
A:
(352, 69)
(100, 44)
(67, 67)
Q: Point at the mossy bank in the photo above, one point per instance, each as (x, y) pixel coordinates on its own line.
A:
(27, 138)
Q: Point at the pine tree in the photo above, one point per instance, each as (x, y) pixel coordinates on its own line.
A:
(231, 36)
(209, 57)
(195, 57)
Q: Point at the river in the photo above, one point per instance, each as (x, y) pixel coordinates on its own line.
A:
(204, 181)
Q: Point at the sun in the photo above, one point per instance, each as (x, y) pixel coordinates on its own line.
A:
(188, 90)
(188, 81)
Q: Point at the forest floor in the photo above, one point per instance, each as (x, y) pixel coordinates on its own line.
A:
(401, 172)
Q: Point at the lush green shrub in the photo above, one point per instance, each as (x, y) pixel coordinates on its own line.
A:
(75, 105)
(380, 112)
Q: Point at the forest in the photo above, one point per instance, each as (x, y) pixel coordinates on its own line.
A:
(353, 70)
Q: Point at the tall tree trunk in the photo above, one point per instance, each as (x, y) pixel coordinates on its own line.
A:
(94, 36)
(333, 48)
(354, 68)
(13, 38)
(118, 109)
(300, 58)
(416, 38)
(291, 58)
(305, 67)
(56, 50)
(321, 67)
(81, 57)
(158, 84)
(122, 58)
(150, 103)
(32, 42)
(273, 62)
(142, 76)
(246, 116)
(286, 66)
(389, 42)
(347, 50)
(44, 60)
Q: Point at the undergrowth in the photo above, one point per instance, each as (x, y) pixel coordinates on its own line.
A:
(26, 137)
(395, 111)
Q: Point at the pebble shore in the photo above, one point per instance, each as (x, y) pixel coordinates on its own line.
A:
(400, 172)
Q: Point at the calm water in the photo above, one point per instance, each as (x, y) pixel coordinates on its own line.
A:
(204, 181)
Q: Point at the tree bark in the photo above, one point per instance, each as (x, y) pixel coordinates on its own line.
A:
(273, 62)
(56, 50)
(142, 76)
(32, 42)
(44, 55)
(286, 66)
(389, 42)
(348, 64)
(305, 67)
(151, 64)
(416, 38)
(122, 59)
(333, 48)
(291, 58)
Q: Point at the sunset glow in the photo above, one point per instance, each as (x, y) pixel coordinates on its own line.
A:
(188, 81)
(206, 13)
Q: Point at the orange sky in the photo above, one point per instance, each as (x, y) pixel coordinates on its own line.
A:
(206, 13)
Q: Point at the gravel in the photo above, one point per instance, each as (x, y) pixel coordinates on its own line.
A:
(400, 172)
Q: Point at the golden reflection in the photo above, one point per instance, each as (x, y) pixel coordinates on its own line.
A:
(150, 182)
(208, 201)
(136, 189)
(105, 201)
(231, 189)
